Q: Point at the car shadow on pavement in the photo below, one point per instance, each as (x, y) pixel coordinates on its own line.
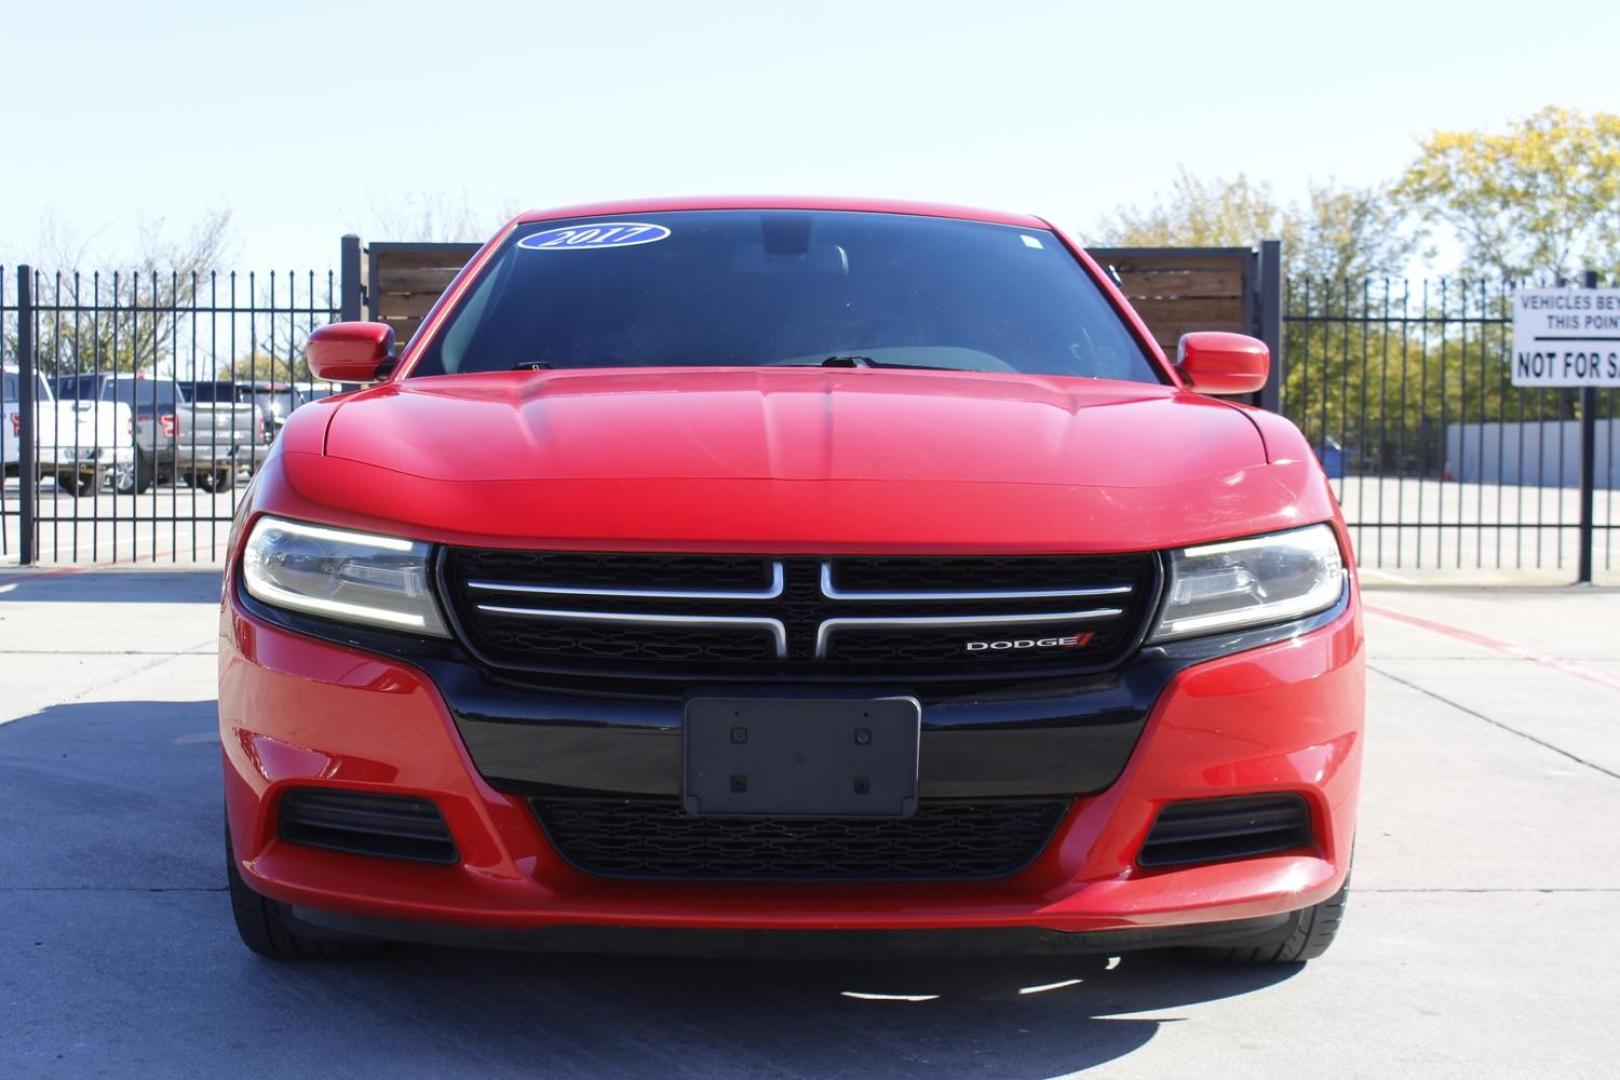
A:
(112, 884)
(131, 586)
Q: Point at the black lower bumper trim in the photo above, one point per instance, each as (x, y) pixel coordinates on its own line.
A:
(534, 741)
(795, 944)
(945, 840)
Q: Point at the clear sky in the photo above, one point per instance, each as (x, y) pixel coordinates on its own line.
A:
(310, 119)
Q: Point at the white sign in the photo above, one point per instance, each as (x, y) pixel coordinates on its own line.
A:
(1566, 337)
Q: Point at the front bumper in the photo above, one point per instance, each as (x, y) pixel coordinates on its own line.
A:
(206, 456)
(1284, 717)
(82, 458)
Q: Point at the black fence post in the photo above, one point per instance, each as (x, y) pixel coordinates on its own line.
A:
(1583, 575)
(351, 299)
(27, 467)
(1270, 321)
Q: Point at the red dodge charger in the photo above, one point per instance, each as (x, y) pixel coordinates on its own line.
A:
(811, 565)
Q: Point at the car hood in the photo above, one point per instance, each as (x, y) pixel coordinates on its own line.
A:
(803, 457)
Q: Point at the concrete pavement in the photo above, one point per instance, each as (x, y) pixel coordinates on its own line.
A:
(1480, 941)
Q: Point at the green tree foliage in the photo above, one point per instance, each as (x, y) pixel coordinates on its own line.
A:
(1539, 199)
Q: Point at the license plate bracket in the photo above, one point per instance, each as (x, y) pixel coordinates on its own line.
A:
(796, 757)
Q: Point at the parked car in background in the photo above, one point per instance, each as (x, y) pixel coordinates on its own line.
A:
(85, 444)
(11, 414)
(272, 401)
(275, 401)
(204, 443)
(78, 444)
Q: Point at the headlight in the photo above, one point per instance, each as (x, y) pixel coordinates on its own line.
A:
(1264, 579)
(348, 576)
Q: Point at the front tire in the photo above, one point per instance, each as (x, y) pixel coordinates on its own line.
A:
(135, 477)
(78, 485)
(1306, 936)
(266, 926)
(220, 481)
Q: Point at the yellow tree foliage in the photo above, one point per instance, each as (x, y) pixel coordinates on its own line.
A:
(1541, 198)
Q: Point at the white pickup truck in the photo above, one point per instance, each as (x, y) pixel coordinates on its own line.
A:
(11, 415)
(76, 446)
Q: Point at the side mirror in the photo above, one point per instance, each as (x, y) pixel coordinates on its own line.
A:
(1215, 362)
(350, 352)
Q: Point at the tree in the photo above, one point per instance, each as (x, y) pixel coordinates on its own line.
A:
(1201, 213)
(1349, 233)
(1339, 233)
(260, 366)
(1543, 197)
(124, 321)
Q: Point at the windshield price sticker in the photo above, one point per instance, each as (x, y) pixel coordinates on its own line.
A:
(605, 234)
(1566, 337)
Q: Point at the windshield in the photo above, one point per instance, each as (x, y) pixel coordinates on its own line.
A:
(12, 387)
(786, 287)
(207, 392)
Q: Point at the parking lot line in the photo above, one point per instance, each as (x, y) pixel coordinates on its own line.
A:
(1506, 648)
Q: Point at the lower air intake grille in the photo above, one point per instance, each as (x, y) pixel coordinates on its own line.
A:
(943, 841)
(1217, 830)
(391, 826)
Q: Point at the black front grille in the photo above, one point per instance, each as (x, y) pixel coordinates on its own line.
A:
(727, 616)
(390, 826)
(1217, 830)
(519, 638)
(942, 841)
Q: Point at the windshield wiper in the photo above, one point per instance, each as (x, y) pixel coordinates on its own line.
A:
(531, 365)
(867, 361)
(855, 361)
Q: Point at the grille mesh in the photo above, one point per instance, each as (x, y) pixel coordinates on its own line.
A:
(364, 823)
(520, 637)
(655, 838)
(1215, 830)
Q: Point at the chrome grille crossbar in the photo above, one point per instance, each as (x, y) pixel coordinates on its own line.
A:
(925, 622)
(770, 592)
(833, 592)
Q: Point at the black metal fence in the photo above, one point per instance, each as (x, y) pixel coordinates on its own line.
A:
(137, 404)
(160, 394)
(1403, 388)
